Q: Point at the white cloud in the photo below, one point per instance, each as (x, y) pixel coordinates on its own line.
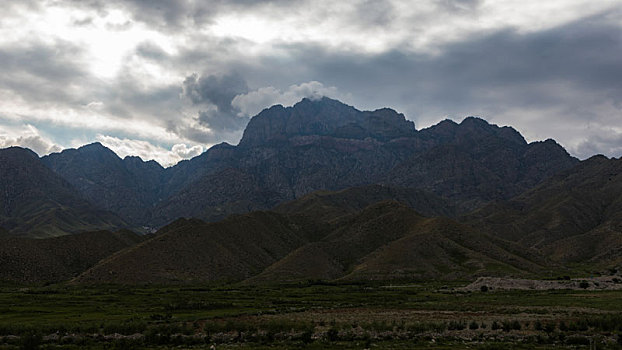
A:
(89, 116)
(255, 101)
(148, 151)
(29, 137)
(186, 152)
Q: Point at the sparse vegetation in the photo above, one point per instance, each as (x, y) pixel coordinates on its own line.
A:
(305, 315)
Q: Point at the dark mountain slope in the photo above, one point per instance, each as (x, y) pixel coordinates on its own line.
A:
(37, 202)
(56, 259)
(127, 187)
(315, 145)
(324, 117)
(192, 250)
(389, 240)
(290, 152)
(327, 205)
(575, 216)
(217, 158)
(443, 248)
(215, 197)
(474, 162)
(318, 238)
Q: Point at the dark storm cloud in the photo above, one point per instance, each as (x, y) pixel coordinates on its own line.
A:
(36, 70)
(189, 132)
(217, 91)
(505, 76)
(131, 100)
(219, 122)
(487, 74)
(584, 54)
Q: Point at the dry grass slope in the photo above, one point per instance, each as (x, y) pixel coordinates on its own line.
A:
(27, 260)
(192, 251)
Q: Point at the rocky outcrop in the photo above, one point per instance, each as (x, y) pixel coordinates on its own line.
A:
(322, 144)
(324, 117)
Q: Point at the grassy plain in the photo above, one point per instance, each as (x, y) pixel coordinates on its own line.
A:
(310, 315)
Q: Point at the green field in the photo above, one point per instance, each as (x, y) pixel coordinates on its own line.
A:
(311, 315)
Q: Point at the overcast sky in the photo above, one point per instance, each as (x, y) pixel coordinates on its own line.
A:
(165, 80)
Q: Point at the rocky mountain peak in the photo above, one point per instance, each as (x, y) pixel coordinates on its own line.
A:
(15, 152)
(480, 126)
(96, 149)
(471, 129)
(137, 162)
(324, 117)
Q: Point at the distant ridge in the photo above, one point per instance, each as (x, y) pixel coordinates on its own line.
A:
(125, 186)
(315, 145)
(37, 202)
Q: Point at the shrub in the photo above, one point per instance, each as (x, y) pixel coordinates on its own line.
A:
(610, 322)
(584, 284)
(577, 340)
(562, 326)
(538, 325)
(30, 340)
(332, 334)
(484, 288)
(456, 325)
(125, 328)
(473, 325)
(582, 326)
(549, 327)
(306, 336)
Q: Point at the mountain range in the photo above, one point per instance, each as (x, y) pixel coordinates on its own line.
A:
(321, 190)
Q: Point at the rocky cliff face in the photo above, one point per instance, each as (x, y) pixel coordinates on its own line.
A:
(323, 144)
(473, 162)
(125, 186)
(324, 117)
(36, 201)
(327, 145)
